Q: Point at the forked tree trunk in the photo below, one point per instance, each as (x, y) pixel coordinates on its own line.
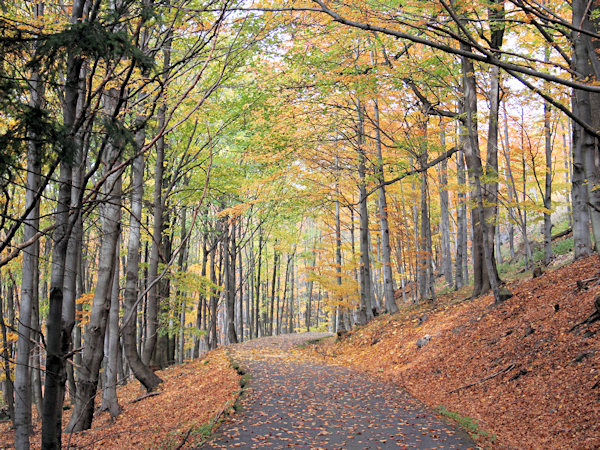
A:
(58, 338)
(129, 328)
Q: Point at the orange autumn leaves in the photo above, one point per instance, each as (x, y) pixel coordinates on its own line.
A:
(190, 398)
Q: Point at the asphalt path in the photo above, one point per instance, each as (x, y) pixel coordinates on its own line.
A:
(296, 402)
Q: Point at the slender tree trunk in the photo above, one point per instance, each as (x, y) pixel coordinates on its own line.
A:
(93, 351)
(240, 309)
(365, 312)
(258, 281)
(461, 277)
(153, 301)
(8, 387)
(110, 402)
(214, 299)
(445, 216)
(29, 283)
(386, 250)
(140, 370)
(229, 274)
(272, 306)
(338, 263)
(309, 294)
(548, 176)
(58, 338)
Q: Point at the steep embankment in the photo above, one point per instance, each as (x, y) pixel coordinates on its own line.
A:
(517, 368)
(179, 415)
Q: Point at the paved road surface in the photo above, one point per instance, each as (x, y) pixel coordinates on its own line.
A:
(293, 402)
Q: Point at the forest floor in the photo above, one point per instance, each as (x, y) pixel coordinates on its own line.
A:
(192, 398)
(294, 400)
(522, 374)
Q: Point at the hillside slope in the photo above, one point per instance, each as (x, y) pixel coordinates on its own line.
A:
(515, 368)
(180, 414)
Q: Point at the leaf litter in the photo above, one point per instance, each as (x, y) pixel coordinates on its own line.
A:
(519, 369)
(191, 397)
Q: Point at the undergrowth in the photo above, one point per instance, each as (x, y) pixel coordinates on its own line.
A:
(468, 423)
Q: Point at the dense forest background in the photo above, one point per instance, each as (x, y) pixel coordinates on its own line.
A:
(181, 174)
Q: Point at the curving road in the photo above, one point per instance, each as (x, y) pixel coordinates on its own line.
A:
(294, 402)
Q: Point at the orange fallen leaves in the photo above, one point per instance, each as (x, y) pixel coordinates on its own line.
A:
(193, 394)
(542, 390)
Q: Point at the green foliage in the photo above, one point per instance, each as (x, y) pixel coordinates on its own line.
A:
(468, 423)
(92, 40)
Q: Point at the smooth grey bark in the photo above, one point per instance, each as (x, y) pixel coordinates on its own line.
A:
(365, 312)
(229, 275)
(548, 175)
(7, 385)
(242, 291)
(512, 195)
(258, 282)
(586, 144)
(309, 290)
(445, 215)
(461, 277)
(386, 249)
(340, 325)
(481, 274)
(29, 283)
(93, 351)
(74, 250)
(290, 327)
(182, 264)
(57, 337)
(484, 267)
(129, 327)
(498, 254)
(496, 15)
(153, 300)
(110, 402)
(214, 299)
(425, 268)
(273, 285)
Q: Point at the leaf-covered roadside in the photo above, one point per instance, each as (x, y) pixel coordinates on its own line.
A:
(517, 369)
(192, 396)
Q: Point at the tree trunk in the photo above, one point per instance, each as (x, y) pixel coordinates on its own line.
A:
(365, 312)
(140, 370)
(445, 216)
(93, 351)
(57, 337)
(461, 277)
(229, 275)
(29, 281)
(386, 250)
(110, 402)
(485, 273)
(482, 282)
(272, 306)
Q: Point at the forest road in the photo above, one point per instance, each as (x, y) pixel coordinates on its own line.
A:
(295, 402)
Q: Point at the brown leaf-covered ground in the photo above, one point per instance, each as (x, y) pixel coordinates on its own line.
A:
(536, 382)
(191, 397)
